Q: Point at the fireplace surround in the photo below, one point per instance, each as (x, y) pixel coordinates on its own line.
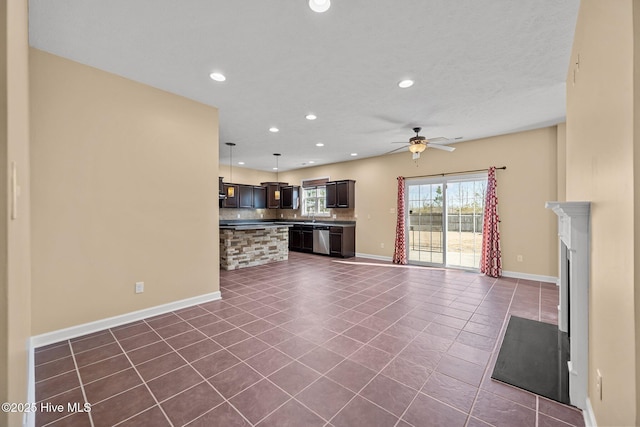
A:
(573, 310)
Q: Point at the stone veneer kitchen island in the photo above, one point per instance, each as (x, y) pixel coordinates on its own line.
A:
(248, 245)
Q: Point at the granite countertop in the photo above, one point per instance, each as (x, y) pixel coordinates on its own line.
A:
(330, 224)
(258, 225)
(253, 226)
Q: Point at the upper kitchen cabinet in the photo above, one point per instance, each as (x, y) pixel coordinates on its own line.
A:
(232, 200)
(274, 194)
(289, 197)
(341, 194)
(246, 196)
(259, 197)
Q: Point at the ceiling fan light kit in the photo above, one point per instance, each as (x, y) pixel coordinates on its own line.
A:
(417, 147)
(418, 143)
(319, 6)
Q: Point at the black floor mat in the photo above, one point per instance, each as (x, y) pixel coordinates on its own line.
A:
(533, 356)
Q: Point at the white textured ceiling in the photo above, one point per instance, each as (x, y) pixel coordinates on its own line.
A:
(481, 67)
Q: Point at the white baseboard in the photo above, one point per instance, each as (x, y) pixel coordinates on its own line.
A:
(527, 276)
(512, 274)
(99, 325)
(588, 415)
(378, 257)
(29, 419)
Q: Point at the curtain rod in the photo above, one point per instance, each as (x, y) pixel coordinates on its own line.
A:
(453, 173)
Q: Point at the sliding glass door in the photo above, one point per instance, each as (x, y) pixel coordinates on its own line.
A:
(444, 217)
(426, 240)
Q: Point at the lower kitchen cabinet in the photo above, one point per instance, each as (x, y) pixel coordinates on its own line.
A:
(342, 241)
(307, 238)
(301, 238)
(295, 238)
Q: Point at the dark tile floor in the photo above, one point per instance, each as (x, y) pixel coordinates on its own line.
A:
(310, 342)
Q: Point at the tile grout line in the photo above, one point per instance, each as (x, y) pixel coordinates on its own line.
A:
(289, 293)
(486, 369)
(471, 408)
(143, 381)
(84, 394)
(204, 380)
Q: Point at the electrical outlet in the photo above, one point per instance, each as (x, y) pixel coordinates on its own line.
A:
(334, 216)
(295, 215)
(519, 258)
(261, 215)
(139, 287)
(382, 245)
(238, 215)
(392, 210)
(599, 383)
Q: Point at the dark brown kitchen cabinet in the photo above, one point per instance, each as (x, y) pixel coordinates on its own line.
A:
(342, 241)
(273, 191)
(289, 197)
(245, 199)
(301, 238)
(259, 197)
(295, 238)
(231, 201)
(307, 238)
(341, 194)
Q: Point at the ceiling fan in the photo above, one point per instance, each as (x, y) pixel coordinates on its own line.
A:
(417, 144)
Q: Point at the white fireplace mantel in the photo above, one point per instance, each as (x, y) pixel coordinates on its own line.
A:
(573, 311)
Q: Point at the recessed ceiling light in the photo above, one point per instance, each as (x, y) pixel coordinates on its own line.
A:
(219, 77)
(311, 117)
(275, 169)
(311, 162)
(319, 5)
(405, 84)
(319, 144)
(274, 129)
(354, 154)
(241, 163)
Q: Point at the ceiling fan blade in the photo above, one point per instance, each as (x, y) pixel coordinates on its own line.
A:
(400, 142)
(441, 147)
(393, 151)
(440, 139)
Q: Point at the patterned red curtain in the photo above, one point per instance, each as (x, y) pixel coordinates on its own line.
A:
(400, 252)
(491, 259)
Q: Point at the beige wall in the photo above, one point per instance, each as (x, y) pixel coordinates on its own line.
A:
(124, 184)
(527, 228)
(15, 285)
(600, 153)
(562, 162)
(636, 196)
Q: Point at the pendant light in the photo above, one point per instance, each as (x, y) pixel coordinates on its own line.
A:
(277, 192)
(231, 188)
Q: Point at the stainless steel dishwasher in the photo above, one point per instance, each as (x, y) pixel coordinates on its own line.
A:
(321, 239)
